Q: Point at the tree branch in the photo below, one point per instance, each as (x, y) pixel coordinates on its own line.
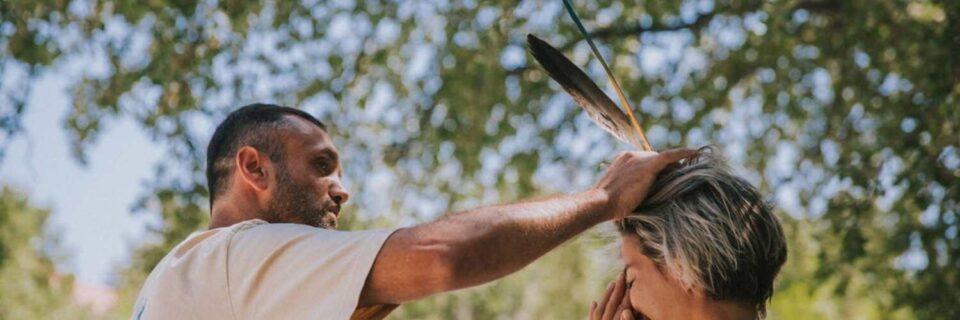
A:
(620, 31)
(623, 31)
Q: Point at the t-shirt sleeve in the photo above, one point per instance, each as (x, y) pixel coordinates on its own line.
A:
(284, 271)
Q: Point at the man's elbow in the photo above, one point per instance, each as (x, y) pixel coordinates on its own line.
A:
(442, 261)
(458, 266)
(415, 265)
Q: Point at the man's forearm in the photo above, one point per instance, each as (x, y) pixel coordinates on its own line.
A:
(484, 244)
(490, 242)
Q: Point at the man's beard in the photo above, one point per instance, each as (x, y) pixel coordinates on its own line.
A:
(292, 203)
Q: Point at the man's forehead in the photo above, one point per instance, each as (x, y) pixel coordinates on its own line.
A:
(306, 134)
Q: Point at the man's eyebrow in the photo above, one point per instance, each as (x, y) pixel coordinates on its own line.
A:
(328, 152)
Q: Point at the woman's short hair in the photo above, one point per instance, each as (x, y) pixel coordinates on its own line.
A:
(710, 230)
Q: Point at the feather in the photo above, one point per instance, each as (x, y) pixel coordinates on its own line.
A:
(606, 68)
(587, 94)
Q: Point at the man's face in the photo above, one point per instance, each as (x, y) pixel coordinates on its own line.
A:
(307, 185)
(652, 293)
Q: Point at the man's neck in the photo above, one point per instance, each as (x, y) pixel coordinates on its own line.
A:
(220, 221)
(228, 210)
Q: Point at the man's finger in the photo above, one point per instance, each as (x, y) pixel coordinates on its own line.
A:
(626, 315)
(673, 155)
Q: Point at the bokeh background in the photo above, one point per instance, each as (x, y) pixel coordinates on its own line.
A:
(844, 112)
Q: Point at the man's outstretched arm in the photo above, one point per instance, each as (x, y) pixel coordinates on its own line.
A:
(484, 244)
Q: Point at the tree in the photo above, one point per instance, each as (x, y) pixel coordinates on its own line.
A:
(844, 110)
(32, 287)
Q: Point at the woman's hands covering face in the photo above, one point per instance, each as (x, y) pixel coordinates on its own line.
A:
(615, 304)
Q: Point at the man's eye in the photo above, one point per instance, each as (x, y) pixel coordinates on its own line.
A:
(323, 166)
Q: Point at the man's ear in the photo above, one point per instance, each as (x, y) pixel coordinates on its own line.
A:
(252, 168)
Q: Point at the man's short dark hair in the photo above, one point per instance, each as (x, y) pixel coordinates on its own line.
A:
(251, 125)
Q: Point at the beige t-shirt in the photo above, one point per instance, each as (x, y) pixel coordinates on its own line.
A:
(258, 270)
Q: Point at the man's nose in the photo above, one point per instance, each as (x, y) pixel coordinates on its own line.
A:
(338, 194)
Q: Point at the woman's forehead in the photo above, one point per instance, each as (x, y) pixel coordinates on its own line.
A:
(630, 248)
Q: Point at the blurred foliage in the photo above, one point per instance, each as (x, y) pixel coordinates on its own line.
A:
(844, 111)
(31, 286)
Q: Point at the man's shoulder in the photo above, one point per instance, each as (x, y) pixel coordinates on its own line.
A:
(273, 235)
(260, 228)
(206, 242)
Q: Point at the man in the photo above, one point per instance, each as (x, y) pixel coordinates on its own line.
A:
(703, 245)
(274, 178)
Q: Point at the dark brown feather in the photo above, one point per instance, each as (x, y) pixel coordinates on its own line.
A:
(585, 92)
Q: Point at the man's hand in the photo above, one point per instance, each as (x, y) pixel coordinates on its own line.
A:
(629, 177)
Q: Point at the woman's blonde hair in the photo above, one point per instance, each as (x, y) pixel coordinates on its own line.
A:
(711, 230)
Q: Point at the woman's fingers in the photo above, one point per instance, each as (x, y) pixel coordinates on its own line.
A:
(615, 298)
(597, 309)
(615, 304)
(601, 307)
(625, 310)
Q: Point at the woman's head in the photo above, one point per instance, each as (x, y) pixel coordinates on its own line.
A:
(705, 233)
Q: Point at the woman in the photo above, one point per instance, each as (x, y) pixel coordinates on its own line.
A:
(704, 245)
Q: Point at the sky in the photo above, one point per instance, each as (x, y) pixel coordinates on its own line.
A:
(90, 204)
